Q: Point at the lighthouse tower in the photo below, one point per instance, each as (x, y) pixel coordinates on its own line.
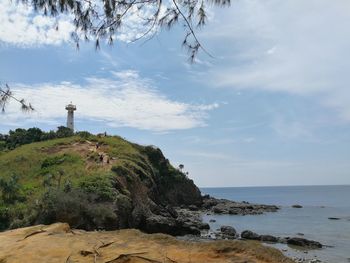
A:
(70, 116)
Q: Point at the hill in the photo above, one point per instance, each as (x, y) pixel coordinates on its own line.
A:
(92, 183)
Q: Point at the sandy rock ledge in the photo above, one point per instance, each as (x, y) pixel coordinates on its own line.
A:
(59, 243)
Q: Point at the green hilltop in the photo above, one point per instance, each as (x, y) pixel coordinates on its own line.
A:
(90, 182)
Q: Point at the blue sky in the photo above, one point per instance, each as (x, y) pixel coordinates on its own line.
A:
(272, 107)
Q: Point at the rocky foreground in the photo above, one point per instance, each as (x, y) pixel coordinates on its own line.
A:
(59, 243)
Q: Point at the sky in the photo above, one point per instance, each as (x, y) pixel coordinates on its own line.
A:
(271, 107)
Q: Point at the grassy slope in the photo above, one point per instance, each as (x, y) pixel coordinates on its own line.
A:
(134, 175)
(79, 160)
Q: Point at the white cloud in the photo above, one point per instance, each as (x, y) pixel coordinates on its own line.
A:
(23, 27)
(292, 46)
(126, 99)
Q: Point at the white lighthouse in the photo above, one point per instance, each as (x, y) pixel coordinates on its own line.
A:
(70, 116)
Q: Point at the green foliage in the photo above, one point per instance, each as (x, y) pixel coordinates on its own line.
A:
(62, 180)
(10, 189)
(57, 160)
(2, 145)
(100, 187)
(63, 132)
(20, 137)
(4, 217)
(76, 209)
(84, 135)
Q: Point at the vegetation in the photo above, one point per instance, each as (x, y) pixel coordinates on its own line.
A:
(63, 179)
(20, 137)
(6, 94)
(103, 20)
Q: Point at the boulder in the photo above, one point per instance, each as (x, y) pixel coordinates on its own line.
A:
(268, 238)
(228, 232)
(302, 242)
(193, 207)
(247, 234)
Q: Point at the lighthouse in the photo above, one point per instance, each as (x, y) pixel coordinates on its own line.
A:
(70, 116)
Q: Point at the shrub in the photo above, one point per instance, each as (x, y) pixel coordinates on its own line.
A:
(57, 160)
(10, 189)
(84, 134)
(76, 209)
(4, 218)
(99, 186)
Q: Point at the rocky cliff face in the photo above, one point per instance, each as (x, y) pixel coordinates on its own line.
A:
(95, 183)
(59, 243)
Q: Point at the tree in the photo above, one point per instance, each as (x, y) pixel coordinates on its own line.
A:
(63, 132)
(5, 96)
(103, 19)
(10, 189)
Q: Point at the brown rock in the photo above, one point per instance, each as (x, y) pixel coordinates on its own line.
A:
(57, 243)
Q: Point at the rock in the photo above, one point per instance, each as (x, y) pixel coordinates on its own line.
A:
(204, 226)
(218, 210)
(297, 206)
(127, 245)
(193, 207)
(247, 234)
(223, 206)
(268, 238)
(333, 218)
(212, 220)
(302, 242)
(228, 232)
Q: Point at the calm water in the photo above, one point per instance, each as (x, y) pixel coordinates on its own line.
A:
(319, 203)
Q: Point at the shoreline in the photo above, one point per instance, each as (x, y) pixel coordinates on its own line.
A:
(59, 243)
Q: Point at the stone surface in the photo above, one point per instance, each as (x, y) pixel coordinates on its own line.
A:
(58, 243)
(228, 232)
(302, 242)
(223, 206)
(247, 234)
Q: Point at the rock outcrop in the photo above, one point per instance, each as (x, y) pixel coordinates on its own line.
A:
(58, 243)
(295, 241)
(224, 206)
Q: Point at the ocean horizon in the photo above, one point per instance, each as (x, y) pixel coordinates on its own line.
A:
(319, 203)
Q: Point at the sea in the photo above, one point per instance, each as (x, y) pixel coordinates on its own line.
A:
(319, 203)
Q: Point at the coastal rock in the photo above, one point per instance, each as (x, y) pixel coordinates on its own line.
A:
(302, 242)
(223, 206)
(268, 238)
(59, 243)
(297, 206)
(228, 232)
(247, 234)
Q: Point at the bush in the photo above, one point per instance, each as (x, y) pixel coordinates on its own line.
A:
(57, 160)
(99, 187)
(76, 209)
(4, 218)
(84, 134)
(10, 190)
